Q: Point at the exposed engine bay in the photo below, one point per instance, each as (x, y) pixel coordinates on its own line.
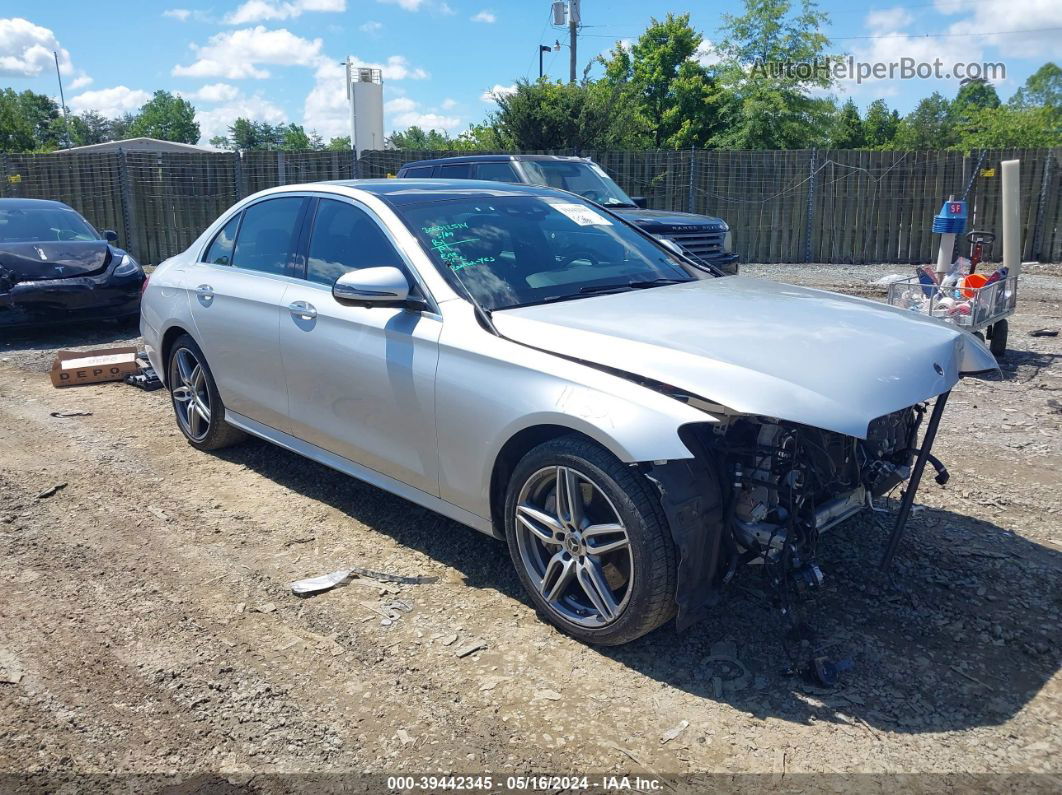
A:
(778, 486)
(790, 483)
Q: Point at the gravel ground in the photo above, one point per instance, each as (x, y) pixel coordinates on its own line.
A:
(146, 623)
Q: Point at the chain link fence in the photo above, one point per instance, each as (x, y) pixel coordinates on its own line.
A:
(846, 206)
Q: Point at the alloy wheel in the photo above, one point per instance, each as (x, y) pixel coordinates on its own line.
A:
(191, 397)
(574, 546)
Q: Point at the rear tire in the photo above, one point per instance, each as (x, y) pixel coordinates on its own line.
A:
(197, 405)
(998, 338)
(597, 561)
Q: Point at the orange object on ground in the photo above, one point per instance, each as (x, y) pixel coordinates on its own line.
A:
(974, 280)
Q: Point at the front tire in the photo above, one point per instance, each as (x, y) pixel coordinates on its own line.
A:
(590, 542)
(196, 403)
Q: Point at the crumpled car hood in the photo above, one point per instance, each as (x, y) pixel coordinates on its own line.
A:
(761, 348)
(45, 259)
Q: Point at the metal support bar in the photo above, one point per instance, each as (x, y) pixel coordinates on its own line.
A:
(129, 219)
(916, 478)
(809, 222)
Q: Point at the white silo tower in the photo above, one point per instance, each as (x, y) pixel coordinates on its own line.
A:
(365, 93)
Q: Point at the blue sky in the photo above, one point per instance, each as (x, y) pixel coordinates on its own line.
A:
(278, 60)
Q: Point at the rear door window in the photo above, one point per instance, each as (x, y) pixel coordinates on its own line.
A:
(421, 171)
(220, 250)
(496, 172)
(456, 171)
(345, 238)
(268, 235)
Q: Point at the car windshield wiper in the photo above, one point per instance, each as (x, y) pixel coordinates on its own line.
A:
(614, 203)
(636, 284)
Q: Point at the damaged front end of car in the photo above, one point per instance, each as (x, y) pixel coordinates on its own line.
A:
(762, 492)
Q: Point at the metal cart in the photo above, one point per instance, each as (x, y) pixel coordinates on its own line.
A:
(982, 311)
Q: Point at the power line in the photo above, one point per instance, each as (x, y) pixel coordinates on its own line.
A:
(884, 36)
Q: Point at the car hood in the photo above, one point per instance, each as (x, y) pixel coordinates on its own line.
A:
(53, 259)
(761, 348)
(667, 221)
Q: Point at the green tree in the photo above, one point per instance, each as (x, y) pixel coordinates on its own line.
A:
(16, 130)
(339, 144)
(414, 138)
(847, 132)
(121, 127)
(246, 135)
(168, 118)
(560, 115)
(1043, 89)
(931, 125)
(482, 137)
(880, 125)
(293, 138)
(676, 98)
(89, 128)
(773, 58)
(1005, 127)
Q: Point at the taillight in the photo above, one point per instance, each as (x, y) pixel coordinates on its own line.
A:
(143, 284)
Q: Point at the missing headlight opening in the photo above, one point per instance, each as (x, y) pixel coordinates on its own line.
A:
(779, 487)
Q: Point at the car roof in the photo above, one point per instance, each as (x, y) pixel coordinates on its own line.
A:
(413, 191)
(26, 204)
(438, 161)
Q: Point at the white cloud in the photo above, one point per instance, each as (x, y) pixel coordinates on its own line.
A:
(485, 16)
(399, 105)
(426, 121)
(449, 104)
(180, 14)
(706, 54)
(408, 5)
(110, 101)
(217, 121)
(80, 82)
(1036, 17)
(266, 10)
(371, 27)
(26, 49)
(888, 19)
(238, 54)
(498, 90)
(893, 43)
(214, 92)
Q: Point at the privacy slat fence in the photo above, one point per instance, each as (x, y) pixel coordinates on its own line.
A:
(847, 206)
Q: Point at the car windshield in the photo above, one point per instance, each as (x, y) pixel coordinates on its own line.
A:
(520, 250)
(21, 224)
(587, 179)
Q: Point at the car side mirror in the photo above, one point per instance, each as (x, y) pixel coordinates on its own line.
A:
(110, 235)
(380, 286)
(640, 201)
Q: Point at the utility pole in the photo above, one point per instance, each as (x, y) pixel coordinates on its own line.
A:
(62, 99)
(573, 34)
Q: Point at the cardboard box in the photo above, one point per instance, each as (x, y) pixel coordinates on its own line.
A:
(71, 368)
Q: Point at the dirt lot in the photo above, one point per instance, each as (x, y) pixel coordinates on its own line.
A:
(146, 622)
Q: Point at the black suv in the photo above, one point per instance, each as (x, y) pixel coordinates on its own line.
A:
(700, 236)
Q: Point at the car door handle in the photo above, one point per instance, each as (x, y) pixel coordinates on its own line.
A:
(303, 309)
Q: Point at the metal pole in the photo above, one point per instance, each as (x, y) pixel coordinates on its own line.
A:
(62, 99)
(573, 33)
(916, 478)
(1011, 217)
(809, 223)
(350, 98)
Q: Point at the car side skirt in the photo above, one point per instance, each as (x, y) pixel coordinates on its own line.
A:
(365, 474)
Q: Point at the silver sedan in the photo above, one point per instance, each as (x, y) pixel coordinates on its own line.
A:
(632, 424)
